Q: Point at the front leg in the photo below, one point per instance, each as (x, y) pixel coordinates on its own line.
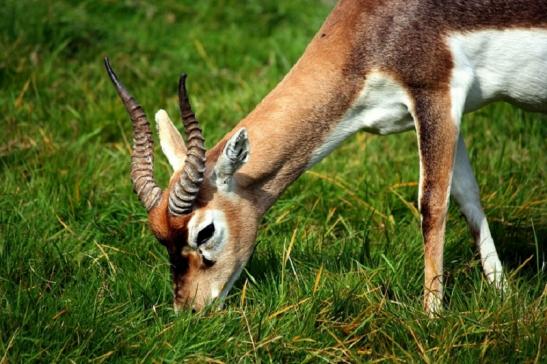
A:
(437, 132)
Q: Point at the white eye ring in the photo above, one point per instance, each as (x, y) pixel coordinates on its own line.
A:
(207, 233)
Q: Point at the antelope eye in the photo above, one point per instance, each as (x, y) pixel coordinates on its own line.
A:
(205, 234)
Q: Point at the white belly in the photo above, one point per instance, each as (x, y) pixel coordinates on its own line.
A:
(506, 65)
(489, 65)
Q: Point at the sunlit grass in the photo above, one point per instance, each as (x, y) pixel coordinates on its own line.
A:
(337, 274)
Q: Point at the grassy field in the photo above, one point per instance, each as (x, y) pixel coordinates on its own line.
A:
(337, 275)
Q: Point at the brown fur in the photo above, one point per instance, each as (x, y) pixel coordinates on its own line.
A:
(437, 137)
(403, 38)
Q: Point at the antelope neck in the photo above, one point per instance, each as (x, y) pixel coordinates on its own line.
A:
(294, 120)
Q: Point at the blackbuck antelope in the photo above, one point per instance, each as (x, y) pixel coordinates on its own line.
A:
(380, 66)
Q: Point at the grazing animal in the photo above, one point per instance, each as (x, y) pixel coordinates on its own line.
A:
(380, 66)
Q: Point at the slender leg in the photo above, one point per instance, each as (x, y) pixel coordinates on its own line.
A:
(437, 138)
(466, 193)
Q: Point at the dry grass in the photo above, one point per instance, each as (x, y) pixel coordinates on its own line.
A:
(337, 275)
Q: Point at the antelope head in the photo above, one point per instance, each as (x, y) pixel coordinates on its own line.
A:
(204, 218)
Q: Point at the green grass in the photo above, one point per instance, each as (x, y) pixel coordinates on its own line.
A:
(82, 279)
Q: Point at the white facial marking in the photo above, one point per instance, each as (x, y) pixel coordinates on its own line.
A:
(500, 64)
(211, 249)
(382, 107)
(171, 141)
(215, 292)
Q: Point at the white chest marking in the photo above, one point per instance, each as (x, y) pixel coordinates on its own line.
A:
(382, 107)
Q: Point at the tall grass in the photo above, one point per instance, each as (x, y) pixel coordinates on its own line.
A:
(337, 274)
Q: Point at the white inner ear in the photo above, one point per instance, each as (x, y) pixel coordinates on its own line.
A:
(171, 141)
(235, 154)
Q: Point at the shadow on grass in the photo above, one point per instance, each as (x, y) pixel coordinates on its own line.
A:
(521, 245)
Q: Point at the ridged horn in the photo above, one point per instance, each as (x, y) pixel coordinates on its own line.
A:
(183, 195)
(142, 158)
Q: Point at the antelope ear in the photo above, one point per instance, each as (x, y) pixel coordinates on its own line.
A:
(171, 141)
(235, 154)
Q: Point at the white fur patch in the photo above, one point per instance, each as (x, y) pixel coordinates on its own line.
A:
(466, 193)
(235, 154)
(488, 65)
(492, 65)
(212, 249)
(500, 65)
(215, 292)
(382, 107)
